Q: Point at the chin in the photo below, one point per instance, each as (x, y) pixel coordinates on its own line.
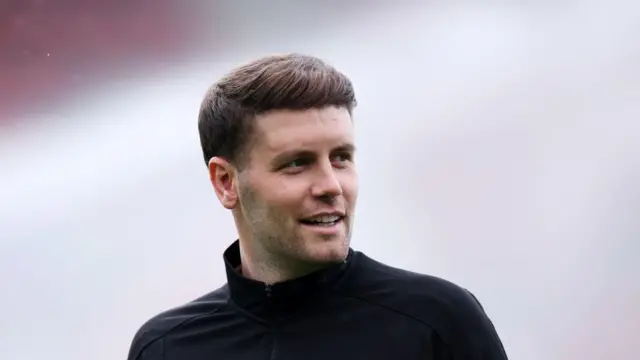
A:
(327, 251)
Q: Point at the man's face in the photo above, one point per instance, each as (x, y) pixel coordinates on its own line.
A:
(298, 190)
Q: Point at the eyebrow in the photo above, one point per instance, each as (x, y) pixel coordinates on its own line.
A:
(293, 154)
(348, 147)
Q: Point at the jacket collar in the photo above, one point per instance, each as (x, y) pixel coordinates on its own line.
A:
(280, 299)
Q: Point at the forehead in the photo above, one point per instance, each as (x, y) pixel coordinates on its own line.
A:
(286, 129)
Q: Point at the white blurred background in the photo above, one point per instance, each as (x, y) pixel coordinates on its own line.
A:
(499, 147)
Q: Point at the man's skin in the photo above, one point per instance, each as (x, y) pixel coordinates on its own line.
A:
(299, 165)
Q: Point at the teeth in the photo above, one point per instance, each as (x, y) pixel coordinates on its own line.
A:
(325, 219)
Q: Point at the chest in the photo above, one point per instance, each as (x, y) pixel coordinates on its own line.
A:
(364, 332)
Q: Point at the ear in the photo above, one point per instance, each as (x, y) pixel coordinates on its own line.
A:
(223, 177)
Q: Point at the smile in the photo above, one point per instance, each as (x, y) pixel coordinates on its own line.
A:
(323, 221)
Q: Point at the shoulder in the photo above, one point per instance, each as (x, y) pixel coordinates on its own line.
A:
(148, 339)
(450, 310)
(419, 294)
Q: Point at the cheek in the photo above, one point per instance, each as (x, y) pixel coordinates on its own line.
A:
(288, 194)
(349, 183)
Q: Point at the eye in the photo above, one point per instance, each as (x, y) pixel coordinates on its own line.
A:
(342, 158)
(296, 164)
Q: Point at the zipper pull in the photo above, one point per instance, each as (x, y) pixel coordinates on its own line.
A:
(267, 289)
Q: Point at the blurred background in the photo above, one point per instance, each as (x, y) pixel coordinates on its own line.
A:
(499, 147)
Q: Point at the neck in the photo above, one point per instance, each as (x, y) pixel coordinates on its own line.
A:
(269, 270)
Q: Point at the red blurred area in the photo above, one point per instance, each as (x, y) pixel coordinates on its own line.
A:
(50, 49)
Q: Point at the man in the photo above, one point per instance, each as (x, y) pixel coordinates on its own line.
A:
(277, 136)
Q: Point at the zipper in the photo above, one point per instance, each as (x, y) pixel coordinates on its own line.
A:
(267, 290)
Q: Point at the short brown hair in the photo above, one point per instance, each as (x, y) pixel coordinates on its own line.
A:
(277, 82)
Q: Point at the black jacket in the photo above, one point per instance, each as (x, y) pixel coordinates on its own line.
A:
(360, 309)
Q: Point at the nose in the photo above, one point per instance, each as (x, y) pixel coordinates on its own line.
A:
(326, 184)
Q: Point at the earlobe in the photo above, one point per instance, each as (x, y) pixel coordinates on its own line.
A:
(223, 178)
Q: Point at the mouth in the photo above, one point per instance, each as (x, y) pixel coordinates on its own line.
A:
(323, 221)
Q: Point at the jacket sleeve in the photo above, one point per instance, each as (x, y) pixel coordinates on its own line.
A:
(146, 347)
(472, 335)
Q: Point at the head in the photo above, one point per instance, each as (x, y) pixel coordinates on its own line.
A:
(277, 137)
